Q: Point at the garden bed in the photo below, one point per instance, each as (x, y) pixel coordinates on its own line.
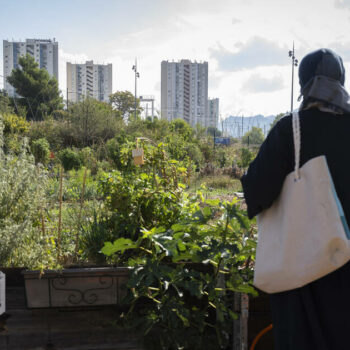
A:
(75, 287)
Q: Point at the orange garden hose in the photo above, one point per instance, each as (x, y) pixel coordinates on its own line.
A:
(257, 338)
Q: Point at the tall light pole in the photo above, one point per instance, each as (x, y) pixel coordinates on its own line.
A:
(294, 64)
(137, 75)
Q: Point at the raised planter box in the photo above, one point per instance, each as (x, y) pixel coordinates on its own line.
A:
(75, 287)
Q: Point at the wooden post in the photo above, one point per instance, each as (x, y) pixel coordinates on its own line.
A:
(42, 223)
(240, 326)
(60, 217)
(79, 217)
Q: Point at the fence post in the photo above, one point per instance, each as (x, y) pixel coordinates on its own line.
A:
(240, 326)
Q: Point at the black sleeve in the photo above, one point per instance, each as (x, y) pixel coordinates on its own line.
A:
(265, 176)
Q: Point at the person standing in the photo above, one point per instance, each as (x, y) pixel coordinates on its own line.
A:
(316, 316)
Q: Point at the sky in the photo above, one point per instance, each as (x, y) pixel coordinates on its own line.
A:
(245, 42)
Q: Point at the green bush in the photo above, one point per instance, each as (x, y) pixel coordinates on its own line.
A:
(180, 149)
(22, 203)
(181, 289)
(92, 240)
(140, 197)
(246, 157)
(70, 159)
(41, 150)
(113, 147)
(14, 124)
(253, 137)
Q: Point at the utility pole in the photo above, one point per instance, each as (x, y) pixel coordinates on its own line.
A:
(294, 64)
(137, 75)
(67, 99)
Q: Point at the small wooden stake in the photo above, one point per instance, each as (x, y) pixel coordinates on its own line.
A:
(42, 223)
(80, 211)
(60, 217)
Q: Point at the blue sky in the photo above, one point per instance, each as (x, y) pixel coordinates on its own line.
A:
(246, 42)
(71, 20)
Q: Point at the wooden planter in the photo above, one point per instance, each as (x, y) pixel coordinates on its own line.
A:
(75, 287)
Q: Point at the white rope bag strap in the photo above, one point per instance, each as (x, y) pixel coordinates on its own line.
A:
(296, 139)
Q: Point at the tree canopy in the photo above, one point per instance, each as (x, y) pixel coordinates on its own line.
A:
(181, 127)
(37, 90)
(211, 130)
(89, 122)
(255, 136)
(124, 103)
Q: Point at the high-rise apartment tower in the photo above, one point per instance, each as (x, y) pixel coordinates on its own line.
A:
(184, 91)
(44, 51)
(213, 111)
(89, 79)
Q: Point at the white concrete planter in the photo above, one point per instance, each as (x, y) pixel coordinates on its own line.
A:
(75, 287)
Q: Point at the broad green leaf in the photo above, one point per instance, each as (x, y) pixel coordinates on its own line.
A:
(119, 245)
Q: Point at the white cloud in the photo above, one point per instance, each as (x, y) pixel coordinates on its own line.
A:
(254, 53)
(259, 84)
(236, 21)
(342, 3)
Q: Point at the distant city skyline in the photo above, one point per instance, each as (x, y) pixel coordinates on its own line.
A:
(245, 43)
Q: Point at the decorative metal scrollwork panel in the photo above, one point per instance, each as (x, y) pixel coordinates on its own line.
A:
(80, 291)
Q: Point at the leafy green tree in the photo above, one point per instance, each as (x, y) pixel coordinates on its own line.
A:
(182, 128)
(38, 91)
(89, 122)
(124, 103)
(253, 137)
(180, 149)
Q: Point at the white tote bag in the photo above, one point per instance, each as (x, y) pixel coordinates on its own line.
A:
(304, 235)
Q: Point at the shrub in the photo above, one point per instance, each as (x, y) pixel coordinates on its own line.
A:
(182, 288)
(22, 185)
(14, 124)
(49, 129)
(70, 159)
(41, 150)
(93, 238)
(253, 137)
(246, 157)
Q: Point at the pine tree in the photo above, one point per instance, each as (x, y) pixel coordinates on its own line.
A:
(37, 91)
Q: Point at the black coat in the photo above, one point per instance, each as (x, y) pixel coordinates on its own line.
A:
(317, 316)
